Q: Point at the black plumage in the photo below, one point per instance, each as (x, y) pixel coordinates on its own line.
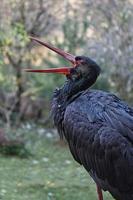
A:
(98, 127)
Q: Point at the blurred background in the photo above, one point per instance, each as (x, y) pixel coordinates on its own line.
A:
(34, 163)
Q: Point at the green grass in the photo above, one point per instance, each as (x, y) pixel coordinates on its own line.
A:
(50, 174)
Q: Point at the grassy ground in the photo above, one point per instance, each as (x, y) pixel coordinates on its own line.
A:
(50, 174)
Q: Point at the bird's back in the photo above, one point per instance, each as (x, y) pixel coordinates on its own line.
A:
(99, 129)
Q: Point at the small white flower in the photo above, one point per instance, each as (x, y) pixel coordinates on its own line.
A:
(28, 126)
(35, 162)
(49, 135)
(67, 162)
(45, 159)
(3, 191)
(50, 194)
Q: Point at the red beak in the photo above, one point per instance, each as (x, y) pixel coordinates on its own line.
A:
(62, 70)
(67, 56)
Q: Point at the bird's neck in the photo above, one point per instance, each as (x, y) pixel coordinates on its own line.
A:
(67, 91)
(60, 101)
(64, 96)
(71, 89)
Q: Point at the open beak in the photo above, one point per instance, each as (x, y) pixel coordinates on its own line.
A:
(67, 56)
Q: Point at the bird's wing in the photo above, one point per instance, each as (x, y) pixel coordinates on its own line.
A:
(118, 115)
(109, 110)
(100, 138)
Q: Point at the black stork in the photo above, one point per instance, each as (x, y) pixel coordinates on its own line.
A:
(97, 125)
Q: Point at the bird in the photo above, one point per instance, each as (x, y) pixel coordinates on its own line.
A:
(97, 125)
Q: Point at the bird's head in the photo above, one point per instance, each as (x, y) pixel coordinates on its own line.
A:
(82, 69)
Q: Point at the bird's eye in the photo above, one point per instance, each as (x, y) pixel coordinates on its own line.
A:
(80, 60)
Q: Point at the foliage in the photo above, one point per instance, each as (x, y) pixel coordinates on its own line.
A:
(10, 145)
(15, 47)
(102, 31)
(14, 149)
